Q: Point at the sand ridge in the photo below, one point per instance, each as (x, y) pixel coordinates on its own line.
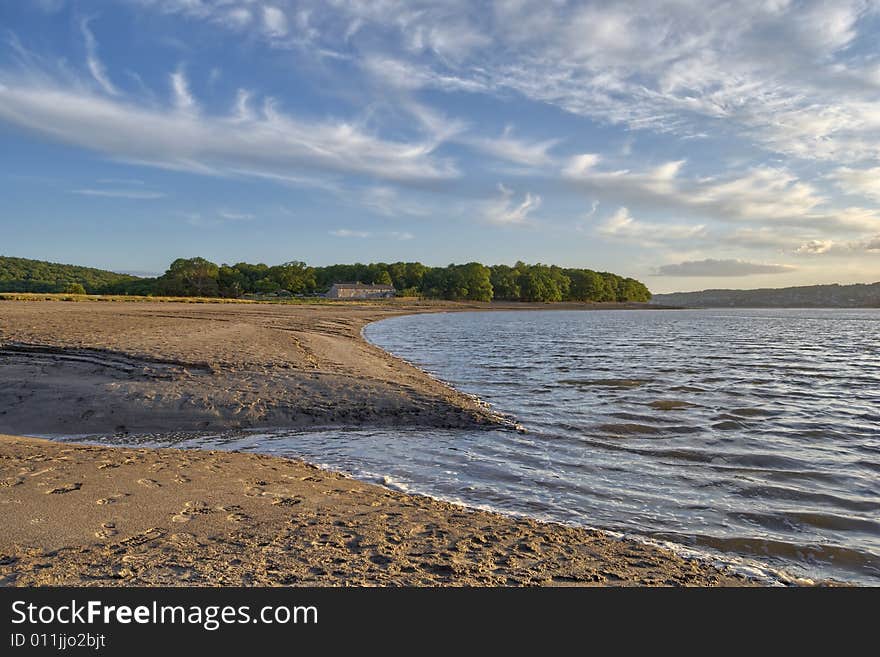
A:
(104, 368)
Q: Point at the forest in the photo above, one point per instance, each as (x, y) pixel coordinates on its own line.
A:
(200, 277)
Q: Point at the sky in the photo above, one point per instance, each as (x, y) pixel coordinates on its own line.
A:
(689, 144)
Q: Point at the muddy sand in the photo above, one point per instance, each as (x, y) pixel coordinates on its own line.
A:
(87, 515)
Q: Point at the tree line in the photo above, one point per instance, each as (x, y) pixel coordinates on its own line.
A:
(468, 282)
(25, 275)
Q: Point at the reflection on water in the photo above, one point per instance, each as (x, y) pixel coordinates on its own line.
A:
(755, 432)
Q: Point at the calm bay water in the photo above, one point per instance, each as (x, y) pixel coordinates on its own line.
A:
(755, 433)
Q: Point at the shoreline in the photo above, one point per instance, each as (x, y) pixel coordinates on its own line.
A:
(84, 515)
(116, 358)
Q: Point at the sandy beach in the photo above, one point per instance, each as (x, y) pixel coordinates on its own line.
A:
(85, 515)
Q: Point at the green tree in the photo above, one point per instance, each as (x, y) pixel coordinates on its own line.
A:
(539, 284)
(383, 278)
(295, 276)
(475, 282)
(190, 277)
(231, 281)
(74, 288)
(414, 273)
(505, 282)
(586, 285)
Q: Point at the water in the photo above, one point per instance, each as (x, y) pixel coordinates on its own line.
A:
(755, 433)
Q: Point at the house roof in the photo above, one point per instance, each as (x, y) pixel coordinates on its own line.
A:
(362, 286)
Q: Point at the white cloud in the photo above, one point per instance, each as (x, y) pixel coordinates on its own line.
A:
(94, 63)
(136, 195)
(402, 74)
(512, 149)
(722, 268)
(760, 194)
(506, 211)
(859, 182)
(868, 245)
(345, 232)
(270, 144)
(274, 21)
(399, 235)
(790, 76)
(621, 225)
(229, 215)
(815, 247)
(183, 99)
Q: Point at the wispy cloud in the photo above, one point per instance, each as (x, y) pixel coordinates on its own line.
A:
(512, 149)
(345, 232)
(507, 211)
(229, 215)
(183, 98)
(793, 77)
(398, 235)
(121, 181)
(216, 218)
(94, 63)
(858, 182)
(621, 225)
(135, 195)
(269, 144)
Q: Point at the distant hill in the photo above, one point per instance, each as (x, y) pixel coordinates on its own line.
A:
(813, 296)
(24, 275)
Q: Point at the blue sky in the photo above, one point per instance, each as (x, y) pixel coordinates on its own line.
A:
(688, 144)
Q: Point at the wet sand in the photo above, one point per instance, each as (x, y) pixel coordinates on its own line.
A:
(81, 515)
(105, 368)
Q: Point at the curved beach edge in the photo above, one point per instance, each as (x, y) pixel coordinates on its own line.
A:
(86, 515)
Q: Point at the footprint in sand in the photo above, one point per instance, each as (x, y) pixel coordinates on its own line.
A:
(9, 482)
(286, 501)
(181, 479)
(64, 488)
(144, 537)
(149, 483)
(237, 517)
(182, 539)
(190, 510)
(112, 499)
(107, 530)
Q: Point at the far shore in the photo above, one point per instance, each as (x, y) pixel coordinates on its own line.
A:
(86, 515)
